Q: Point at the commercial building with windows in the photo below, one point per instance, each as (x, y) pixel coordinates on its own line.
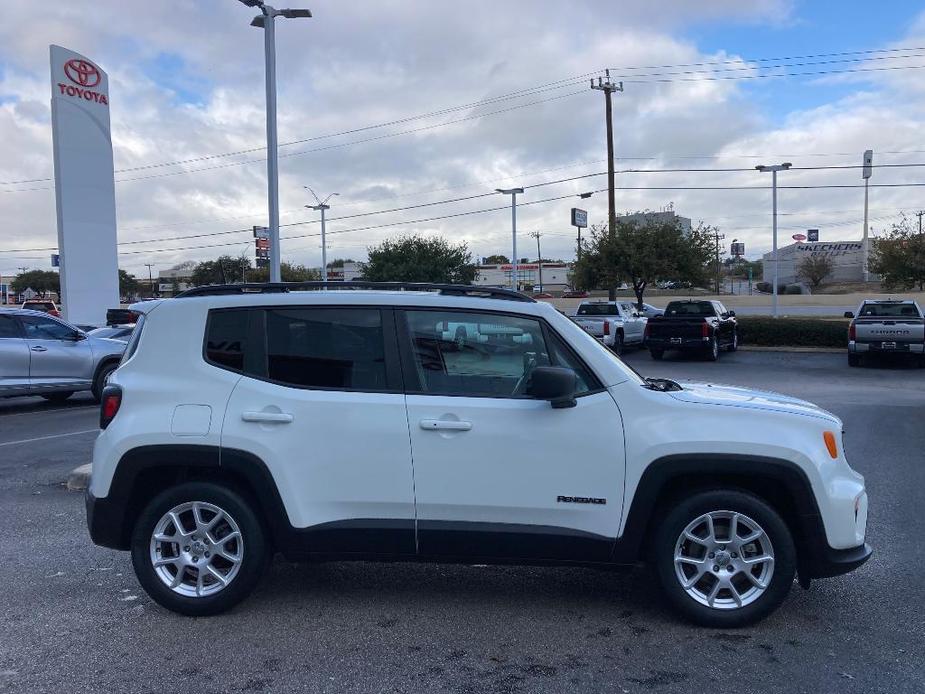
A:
(846, 258)
(641, 218)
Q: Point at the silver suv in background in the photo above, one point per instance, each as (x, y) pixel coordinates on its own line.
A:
(886, 327)
(43, 355)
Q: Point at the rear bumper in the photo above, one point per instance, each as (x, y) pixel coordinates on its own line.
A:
(684, 342)
(877, 348)
(104, 521)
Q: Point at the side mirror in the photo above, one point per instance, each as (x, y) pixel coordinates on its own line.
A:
(731, 314)
(849, 314)
(553, 383)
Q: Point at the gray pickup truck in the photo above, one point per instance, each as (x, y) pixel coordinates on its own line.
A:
(886, 327)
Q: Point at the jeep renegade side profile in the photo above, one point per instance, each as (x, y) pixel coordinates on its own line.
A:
(333, 425)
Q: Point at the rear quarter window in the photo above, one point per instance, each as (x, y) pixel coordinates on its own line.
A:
(132, 345)
(226, 339)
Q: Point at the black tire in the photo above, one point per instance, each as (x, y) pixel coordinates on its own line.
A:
(677, 518)
(617, 344)
(712, 353)
(734, 345)
(256, 550)
(854, 359)
(99, 382)
(657, 354)
(58, 397)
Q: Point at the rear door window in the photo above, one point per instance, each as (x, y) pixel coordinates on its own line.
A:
(332, 348)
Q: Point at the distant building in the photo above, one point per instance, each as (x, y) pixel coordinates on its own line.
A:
(846, 259)
(170, 282)
(346, 273)
(642, 218)
(555, 275)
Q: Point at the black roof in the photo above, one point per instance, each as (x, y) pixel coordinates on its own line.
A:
(285, 287)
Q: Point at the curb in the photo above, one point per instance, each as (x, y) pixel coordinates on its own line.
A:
(799, 350)
(79, 478)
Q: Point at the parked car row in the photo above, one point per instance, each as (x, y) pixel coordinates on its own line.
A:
(41, 354)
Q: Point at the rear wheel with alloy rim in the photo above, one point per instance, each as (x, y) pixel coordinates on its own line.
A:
(713, 349)
(198, 548)
(617, 344)
(725, 559)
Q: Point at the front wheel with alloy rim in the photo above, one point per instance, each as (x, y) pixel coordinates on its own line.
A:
(724, 558)
(198, 548)
(101, 378)
(734, 345)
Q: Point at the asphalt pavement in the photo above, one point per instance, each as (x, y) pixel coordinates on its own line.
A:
(73, 618)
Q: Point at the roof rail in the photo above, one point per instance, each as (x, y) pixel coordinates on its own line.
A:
(285, 287)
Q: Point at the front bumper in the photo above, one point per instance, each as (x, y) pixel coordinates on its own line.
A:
(105, 521)
(835, 562)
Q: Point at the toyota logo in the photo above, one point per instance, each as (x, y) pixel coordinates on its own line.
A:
(82, 72)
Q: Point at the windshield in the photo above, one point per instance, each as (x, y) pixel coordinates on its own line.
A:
(597, 310)
(890, 310)
(690, 308)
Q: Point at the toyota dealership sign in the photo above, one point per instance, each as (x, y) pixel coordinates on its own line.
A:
(84, 187)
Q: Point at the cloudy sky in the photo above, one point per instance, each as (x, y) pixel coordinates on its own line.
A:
(409, 104)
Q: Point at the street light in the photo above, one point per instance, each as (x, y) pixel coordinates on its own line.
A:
(267, 22)
(774, 168)
(513, 193)
(322, 206)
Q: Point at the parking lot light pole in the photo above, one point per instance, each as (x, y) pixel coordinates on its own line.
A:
(513, 193)
(322, 206)
(267, 22)
(774, 168)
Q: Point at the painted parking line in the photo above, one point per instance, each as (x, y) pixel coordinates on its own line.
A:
(52, 436)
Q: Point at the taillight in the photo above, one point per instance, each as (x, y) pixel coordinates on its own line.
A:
(607, 327)
(110, 404)
(852, 333)
(704, 330)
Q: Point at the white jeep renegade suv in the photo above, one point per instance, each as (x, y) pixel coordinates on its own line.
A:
(247, 420)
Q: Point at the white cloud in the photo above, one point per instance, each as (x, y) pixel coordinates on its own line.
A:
(360, 63)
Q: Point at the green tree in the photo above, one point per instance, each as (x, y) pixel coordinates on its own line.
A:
(288, 273)
(223, 270)
(814, 269)
(497, 260)
(643, 253)
(128, 284)
(420, 259)
(40, 281)
(899, 257)
(339, 262)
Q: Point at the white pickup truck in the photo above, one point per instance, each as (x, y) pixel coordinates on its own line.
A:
(615, 323)
(886, 327)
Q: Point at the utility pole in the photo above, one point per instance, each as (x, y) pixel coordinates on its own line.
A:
(719, 237)
(150, 279)
(322, 206)
(919, 215)
(866, 170)
(267, 21)
(774, 168)
(539, 256)
(609, 87)
(513, 193)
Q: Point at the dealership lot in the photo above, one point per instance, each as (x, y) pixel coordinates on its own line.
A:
(74, 617)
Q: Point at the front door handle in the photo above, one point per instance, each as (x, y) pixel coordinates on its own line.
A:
(39, 348)
(445, 425)
(277, 417)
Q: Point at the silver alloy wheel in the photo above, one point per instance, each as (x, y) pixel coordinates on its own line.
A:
(196, 549)
(724, 560)
(714, 347)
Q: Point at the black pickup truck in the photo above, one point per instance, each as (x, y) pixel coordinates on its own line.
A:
(705, 326)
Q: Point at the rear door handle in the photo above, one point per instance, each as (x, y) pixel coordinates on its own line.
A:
(39, 348)
(278, 417)
(445, 424)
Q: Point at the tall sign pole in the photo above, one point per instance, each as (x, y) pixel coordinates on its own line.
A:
(513, 193)
(774, 168)
(866, 171)
(85, 192)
